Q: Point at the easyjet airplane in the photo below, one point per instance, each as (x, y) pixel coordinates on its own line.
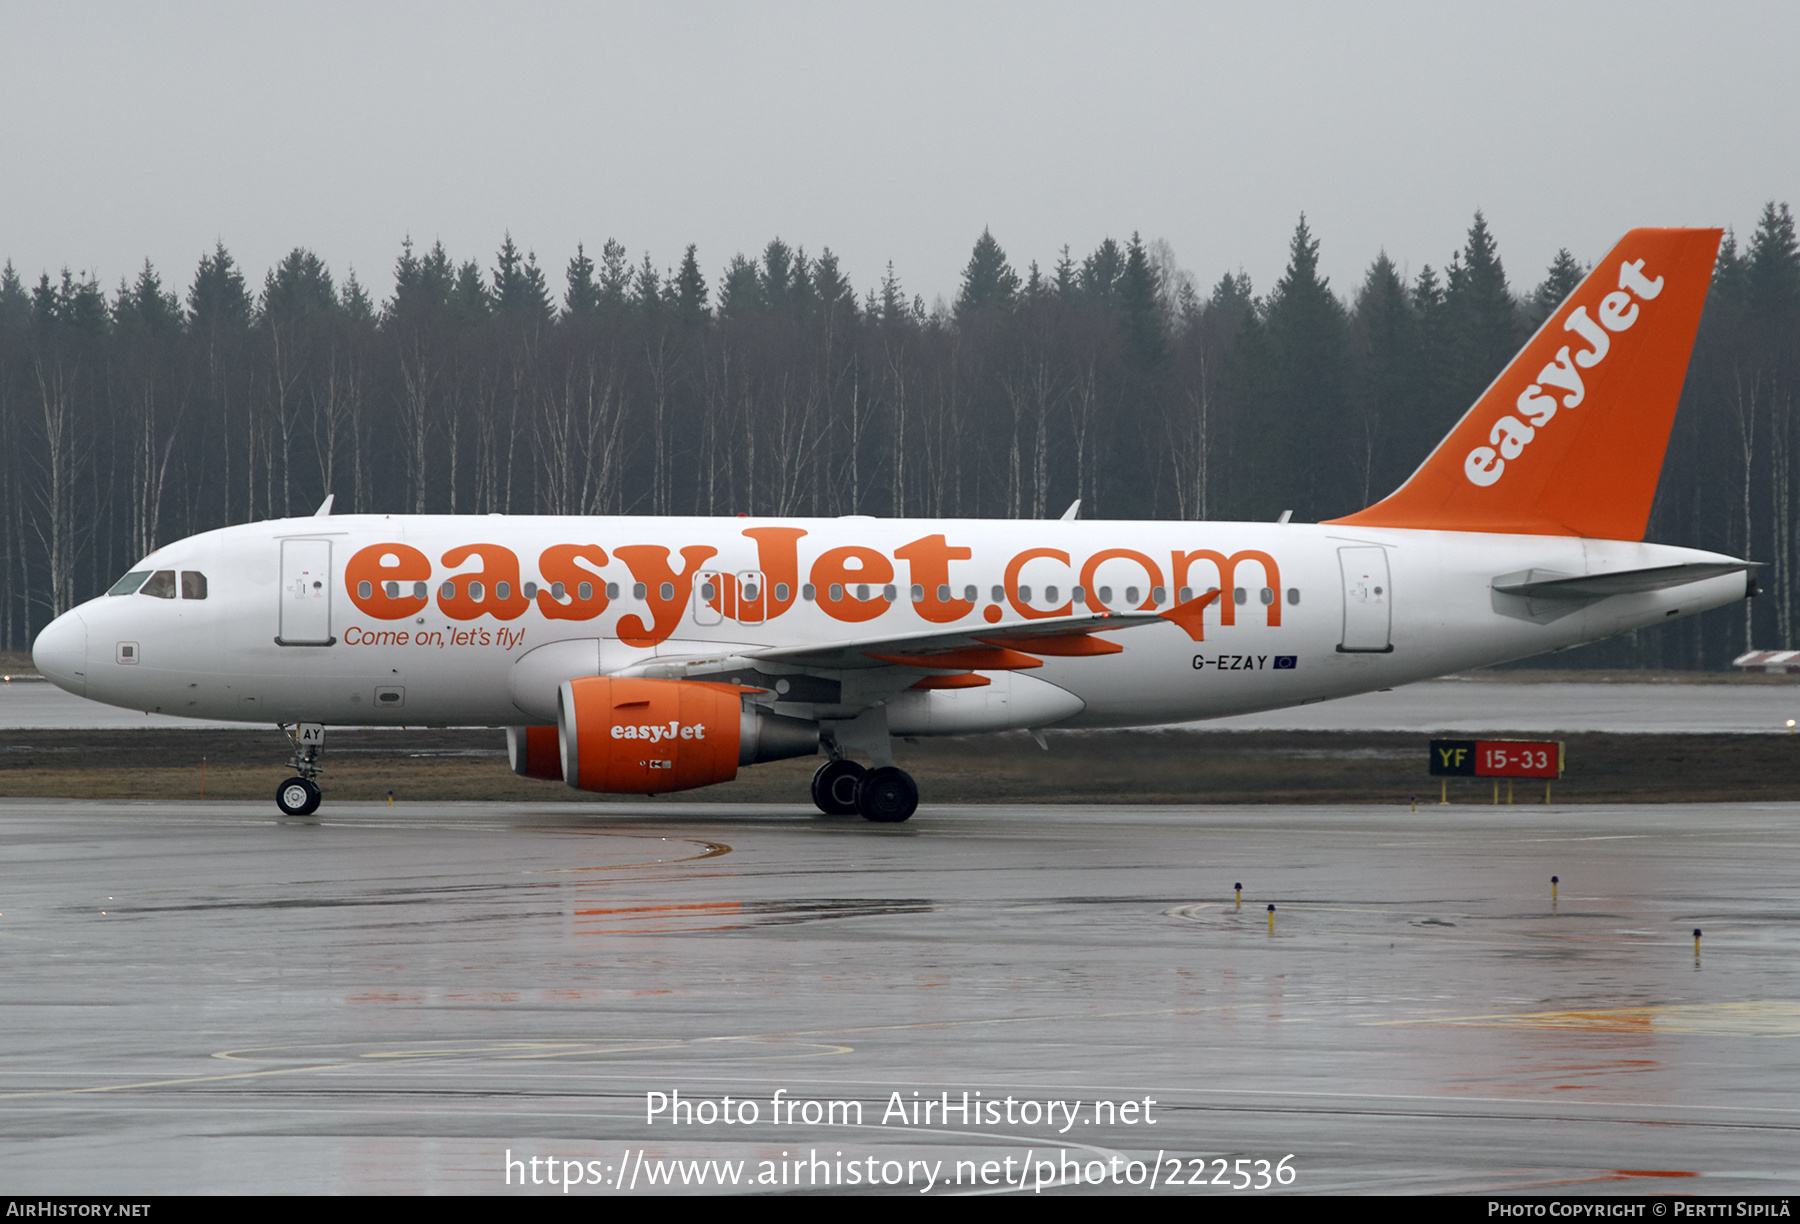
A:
(649, 655)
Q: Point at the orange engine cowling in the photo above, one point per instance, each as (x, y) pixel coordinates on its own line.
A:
(626, 736)
(535, 752)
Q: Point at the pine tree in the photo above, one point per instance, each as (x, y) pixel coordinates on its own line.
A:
(740, 289)
(1100, 272)
(1388, 343)
(690, 291)
(1309, 341)
(1564, 274)
(830, 285)
(1064, 275)
(218, 300)
(15, 302)
(354, 301)
(521, 292)
(989, 282)
(1729, 270)
(892, 305)
(1772, 268)
(422, 285)
(1480, 313)
(615, 276)
(1139, 294)
(298, 287)
(803, 295)
(144, 306)
(1438, 406)
(582, 298)
(647, 286)
(469, 301)
(777, 276)
(1232, 300)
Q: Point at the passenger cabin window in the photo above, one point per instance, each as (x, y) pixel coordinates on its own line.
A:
(161, 585)
(193, 584)
(129, 584)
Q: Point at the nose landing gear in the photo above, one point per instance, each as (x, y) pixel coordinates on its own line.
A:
(300, 795)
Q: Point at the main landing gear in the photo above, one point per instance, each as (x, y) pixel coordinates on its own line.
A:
(886, 795)
(300, 795)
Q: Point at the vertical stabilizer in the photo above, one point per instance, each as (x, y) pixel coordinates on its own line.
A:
(1569, 440)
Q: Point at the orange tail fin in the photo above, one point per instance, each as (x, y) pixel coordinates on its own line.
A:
(1569, 440)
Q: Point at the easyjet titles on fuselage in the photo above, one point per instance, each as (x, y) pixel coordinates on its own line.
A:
(850, 583)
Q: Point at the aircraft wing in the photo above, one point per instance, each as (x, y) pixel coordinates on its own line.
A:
(994, 647)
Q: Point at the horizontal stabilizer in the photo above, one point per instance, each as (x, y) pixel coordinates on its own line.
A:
(1548, 584)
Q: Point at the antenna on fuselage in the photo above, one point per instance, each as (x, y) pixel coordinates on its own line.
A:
(1072, 511)
(324, 510)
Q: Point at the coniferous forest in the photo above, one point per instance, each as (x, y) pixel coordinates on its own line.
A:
(134, 415)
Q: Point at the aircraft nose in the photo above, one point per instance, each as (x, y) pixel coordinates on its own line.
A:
(60, 652)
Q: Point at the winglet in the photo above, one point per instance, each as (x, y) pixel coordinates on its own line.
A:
(1569, 440)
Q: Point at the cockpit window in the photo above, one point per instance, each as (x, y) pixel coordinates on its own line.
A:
(129, 584)
(161, 585)
(193, 584)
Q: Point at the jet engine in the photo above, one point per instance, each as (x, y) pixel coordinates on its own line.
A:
(534, 752)
(629, 736)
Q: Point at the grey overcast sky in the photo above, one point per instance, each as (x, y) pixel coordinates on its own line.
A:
(885, 132)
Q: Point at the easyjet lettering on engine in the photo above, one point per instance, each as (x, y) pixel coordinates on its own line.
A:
(656, 732)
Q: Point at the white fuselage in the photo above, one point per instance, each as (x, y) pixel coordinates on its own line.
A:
(1306, 612)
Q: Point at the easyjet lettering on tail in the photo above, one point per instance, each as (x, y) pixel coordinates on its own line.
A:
(651, 655)
(1485, 465)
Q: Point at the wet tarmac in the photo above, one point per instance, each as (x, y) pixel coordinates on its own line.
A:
(1428, 707)
(403, 999)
